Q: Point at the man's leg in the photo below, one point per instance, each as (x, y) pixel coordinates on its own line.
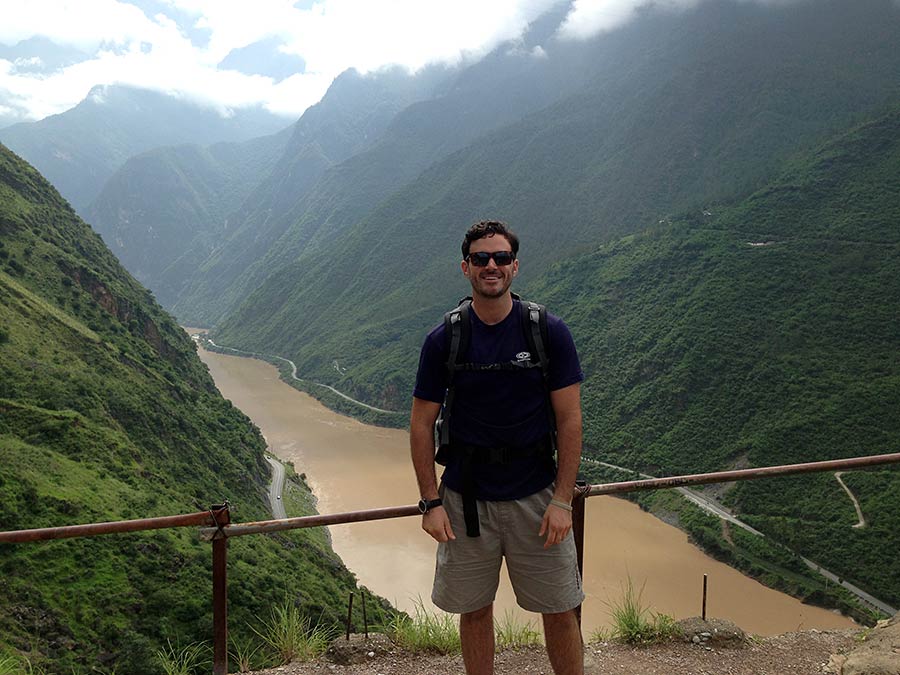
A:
(563, 636)
(476, 631)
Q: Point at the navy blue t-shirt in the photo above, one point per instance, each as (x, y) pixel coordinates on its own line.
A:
(499, 408)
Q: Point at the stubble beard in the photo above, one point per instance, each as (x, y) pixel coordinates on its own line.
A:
(491, 292)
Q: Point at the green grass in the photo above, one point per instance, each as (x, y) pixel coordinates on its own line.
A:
(425, 631)
(510, 632)
(292, 636)
(437, 632)
(243, 655)
(191, 659)
(10, 665)
(634, 622)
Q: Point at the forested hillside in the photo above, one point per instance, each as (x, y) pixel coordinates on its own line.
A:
(106, 413)
(166, 210)
(760, 333)
(682, 109)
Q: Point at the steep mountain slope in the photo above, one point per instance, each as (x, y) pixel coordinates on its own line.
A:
(762, 333)
(80, 149)
(106, 413)
(166, 210)
(461, 105)
(351, 117)
(686, 109)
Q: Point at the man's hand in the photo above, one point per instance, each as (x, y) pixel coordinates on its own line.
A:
(556, 525)
(437, 523)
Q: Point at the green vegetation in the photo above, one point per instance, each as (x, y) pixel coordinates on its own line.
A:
(677, 111)
(190, 660)
(764, 333)
(511, 633)
(243, 656)
(750, 319)
(755, 332)
(425, 631)
(636, 623)
(106, 413)
(291, 634)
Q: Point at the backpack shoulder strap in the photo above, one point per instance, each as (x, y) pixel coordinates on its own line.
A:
(534, 319)
(458, 330)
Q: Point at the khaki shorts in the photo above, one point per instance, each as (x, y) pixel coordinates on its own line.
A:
(467, 572)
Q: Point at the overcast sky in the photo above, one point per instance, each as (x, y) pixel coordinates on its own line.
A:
(282, 54)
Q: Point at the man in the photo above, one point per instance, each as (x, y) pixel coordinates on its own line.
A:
(501, 440)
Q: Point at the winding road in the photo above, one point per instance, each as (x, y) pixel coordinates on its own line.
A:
(300, 379)
(276, 488)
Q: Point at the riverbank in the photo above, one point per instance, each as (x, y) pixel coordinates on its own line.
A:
(353, 466)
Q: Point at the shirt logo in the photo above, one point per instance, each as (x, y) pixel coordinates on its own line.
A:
(523, 356)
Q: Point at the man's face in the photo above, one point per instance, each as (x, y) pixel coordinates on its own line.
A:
(492, 280)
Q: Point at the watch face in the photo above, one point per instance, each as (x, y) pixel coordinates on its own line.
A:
(423, 506)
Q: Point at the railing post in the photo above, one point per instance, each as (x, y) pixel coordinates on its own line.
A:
(222, 517)
(703, 608)
(578, 500)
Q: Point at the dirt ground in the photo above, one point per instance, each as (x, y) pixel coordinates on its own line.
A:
(804, 653)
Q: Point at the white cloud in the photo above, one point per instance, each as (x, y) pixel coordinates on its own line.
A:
(590, 17)
(130, 47)
(83, 23)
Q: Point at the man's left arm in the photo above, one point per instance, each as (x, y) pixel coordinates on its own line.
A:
(566, 403)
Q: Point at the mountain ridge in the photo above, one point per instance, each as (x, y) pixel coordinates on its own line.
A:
(78, 150)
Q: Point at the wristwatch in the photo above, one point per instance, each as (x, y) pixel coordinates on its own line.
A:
(425, 505)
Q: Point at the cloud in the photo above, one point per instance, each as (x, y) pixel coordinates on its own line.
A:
(588, 18)
(154, 44)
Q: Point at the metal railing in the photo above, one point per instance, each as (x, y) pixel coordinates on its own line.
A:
(216, 524)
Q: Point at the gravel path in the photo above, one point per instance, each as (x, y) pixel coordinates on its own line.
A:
(804, 653)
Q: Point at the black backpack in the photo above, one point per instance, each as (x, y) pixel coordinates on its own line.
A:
(458, 326)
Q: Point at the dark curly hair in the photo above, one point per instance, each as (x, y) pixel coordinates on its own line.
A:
(489, 228)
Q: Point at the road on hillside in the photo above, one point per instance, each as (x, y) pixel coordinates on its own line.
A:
(300, 379)
(715, 508)
(276, 488)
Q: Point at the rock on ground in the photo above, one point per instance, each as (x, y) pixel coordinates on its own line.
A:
(878, 652)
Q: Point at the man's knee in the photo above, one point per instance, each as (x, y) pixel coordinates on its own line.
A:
(561, 621)
(479, 614)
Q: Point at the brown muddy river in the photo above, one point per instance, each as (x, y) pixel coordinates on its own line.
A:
(353, 466)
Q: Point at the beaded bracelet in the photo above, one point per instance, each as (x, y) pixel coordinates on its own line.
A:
(562, 505)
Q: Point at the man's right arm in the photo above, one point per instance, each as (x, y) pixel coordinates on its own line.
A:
(421, 442)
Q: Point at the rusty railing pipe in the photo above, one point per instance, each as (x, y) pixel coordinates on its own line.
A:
(741, 474)
(202, 518)
(270, 526)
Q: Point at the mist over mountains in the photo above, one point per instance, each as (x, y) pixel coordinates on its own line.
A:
(80, 149)
(706, 193)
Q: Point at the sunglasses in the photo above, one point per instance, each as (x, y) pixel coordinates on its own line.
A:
(482, 258)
